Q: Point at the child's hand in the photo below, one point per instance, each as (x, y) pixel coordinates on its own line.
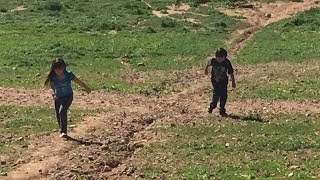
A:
(88, 90)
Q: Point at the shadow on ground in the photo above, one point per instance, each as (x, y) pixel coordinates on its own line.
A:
(248, 117)
(83, 142)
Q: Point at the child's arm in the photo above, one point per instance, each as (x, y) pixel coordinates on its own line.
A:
(206, 72)
(82, 84)
(52, 91)
(233, 80)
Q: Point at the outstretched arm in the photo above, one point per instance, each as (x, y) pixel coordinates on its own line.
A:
(82, 84)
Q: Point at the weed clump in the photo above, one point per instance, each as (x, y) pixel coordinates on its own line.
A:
(3, 10)
(53, 5)
(168, 23)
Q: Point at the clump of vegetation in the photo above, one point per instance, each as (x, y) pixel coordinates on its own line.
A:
(150, 30)
(309, 20)
(168, 23)
(3, 10)
(117, 26)
(196, 3)
(296, 40)
(220, 25)
(53, 5)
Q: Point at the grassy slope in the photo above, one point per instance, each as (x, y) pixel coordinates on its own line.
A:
(281, 80)
(79, 32)
(280, 145)
(293, 44)
(296, 40)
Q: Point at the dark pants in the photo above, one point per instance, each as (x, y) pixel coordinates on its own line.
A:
(220, 92)
(62, 105)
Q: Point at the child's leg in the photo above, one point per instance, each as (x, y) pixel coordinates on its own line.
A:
(67, 101)
(215, 98)
(223, 97)
(57, 104)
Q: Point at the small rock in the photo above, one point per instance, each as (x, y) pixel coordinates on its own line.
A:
(135, 145)
(227, 145)
(307, 115)
(91, 158)
(24, 146)
(112, 163)
(3, 174)
(107, 169)
(19, 161)
(268, 15)
(130, 170)
(290, 175)
(141, 64)
(184, 111)
(20, 139)
(294, 167)
(37, 75)
(104, 147)
(73, 126)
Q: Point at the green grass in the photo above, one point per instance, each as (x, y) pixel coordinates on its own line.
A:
(78, 32)
(21, 125)
(296, 39)
(281, 80)
(28, 122)
(234, 149)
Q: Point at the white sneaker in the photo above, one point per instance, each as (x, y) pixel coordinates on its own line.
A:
(63, 135)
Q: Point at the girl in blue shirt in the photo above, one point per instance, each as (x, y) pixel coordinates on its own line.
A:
(59, 79)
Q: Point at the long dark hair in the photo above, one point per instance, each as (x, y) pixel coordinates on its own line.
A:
(56, 63)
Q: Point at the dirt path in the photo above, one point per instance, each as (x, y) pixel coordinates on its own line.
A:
(128, 119)
(173, 9)
(262, 15)
(19, 8)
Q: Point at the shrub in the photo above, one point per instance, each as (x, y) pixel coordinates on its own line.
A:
(3, 10)
(168, 23)
(150, 30)
(53, 5)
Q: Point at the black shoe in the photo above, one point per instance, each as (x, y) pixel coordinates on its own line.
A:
(223, 114)
(210, 109)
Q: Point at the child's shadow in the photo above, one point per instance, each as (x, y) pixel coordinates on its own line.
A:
(83, 142)
(249, 117)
